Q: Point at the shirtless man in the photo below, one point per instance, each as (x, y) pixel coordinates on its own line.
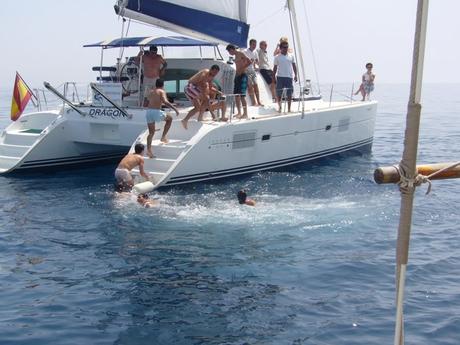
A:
(156, 98)
(154, 67)
(241, 80)
(128, 163)
(244, 200)
(197, 90)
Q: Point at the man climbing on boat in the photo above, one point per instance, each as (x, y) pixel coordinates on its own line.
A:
(156, 98)
(154, 68)
(215, 101)
(242, 62)
(128, 163)
(284, 68)
(197, 91)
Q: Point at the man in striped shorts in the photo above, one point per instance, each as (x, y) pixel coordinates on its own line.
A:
(197, 89)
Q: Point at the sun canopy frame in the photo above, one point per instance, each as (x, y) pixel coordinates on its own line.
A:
(167, 41)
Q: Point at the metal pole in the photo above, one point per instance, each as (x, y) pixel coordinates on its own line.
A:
(408, 165)
(330, 96)
(102, 62)
(141, 71)
(352, 91)
(298, 51)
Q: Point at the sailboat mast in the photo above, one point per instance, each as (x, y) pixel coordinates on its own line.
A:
(291, 7)
(408, 165)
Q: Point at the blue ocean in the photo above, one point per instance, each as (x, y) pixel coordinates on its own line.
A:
(312, 263)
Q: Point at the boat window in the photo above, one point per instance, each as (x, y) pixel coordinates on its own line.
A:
(243, 139)
(175, 81)
(344, 124)
(265, 137)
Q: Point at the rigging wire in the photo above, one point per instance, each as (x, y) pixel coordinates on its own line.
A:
(307, 21)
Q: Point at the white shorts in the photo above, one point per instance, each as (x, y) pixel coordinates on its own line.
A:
(149, 84)
(123, 175)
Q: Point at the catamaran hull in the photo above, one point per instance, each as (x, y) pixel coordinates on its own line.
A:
(244, 147)
(44, 140)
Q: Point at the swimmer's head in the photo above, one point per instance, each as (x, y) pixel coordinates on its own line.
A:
(142, 196)
(242, 196)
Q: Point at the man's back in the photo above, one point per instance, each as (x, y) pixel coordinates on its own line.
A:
(156, 98)
(130, 161)
(200, 79)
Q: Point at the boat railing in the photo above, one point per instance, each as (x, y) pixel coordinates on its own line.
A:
(348, 97)
(71, 91)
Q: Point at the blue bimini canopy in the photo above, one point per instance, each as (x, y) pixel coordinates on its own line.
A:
(169, 41)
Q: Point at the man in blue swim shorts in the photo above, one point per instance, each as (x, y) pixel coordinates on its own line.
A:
(156, 98)
(242, 62)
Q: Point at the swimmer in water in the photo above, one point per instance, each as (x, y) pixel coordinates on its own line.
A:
(144, 200)
(244, 200)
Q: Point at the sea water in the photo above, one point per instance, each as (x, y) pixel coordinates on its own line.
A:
(312, 263)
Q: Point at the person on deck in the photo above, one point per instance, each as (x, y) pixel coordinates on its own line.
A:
(284, 69)
(156, 98)
(242, 62)
(253, 88)
(197, 91)
(367, 82)
(130, 161)
(154, 68)
(264, 67)
(278, 49)
(215, 101)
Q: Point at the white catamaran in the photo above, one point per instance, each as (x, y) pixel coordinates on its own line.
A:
(113, 121)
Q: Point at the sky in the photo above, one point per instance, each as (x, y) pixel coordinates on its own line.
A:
(43, 39)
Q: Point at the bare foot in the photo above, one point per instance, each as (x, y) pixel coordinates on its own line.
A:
(184, 124)
(223, 119)
(261, 105)
(279, 110)
(164, 140)
(150, 154)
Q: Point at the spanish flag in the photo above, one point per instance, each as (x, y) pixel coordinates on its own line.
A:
(21, 95)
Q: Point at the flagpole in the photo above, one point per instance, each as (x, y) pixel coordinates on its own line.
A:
(408, 165)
